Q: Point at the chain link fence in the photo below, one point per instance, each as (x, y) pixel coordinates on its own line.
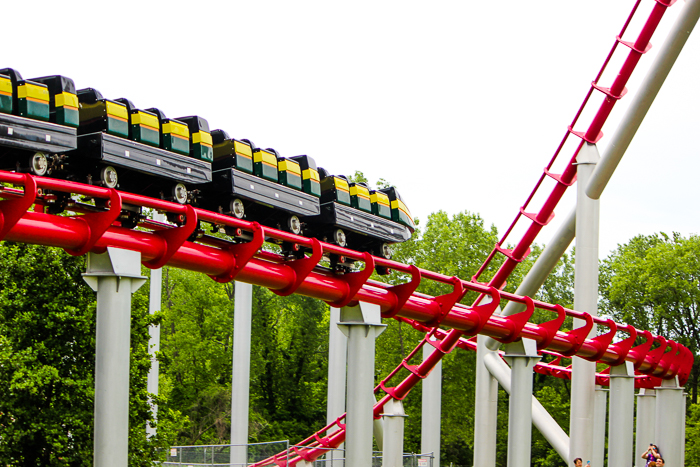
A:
(220, 455)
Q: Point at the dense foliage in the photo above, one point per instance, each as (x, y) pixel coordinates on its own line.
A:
(47, 363)
(47, 325)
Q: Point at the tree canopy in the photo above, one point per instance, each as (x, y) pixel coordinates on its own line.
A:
(47, 345)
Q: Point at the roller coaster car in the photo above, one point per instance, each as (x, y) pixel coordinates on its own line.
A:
(141, 151)
(259, 184)
(37, 121)
(353, 216)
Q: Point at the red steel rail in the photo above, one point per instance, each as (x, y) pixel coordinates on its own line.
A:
(185, 246)
(317, 446)
(94, 229)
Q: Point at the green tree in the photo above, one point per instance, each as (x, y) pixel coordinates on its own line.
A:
(652, 281)
(692, 434)
(47, 357)
(196, 355)
(288, 360)
(47, 363)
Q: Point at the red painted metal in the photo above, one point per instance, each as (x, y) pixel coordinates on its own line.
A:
(224, 261)
(99, 222)
(403, 292)
(302, 268)
(72, 233)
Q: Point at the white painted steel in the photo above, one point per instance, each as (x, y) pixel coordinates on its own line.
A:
(154, 304)
(377, 425)
(619, 142)
(154, 342)
(337, 369)
(599, 417)
(585, 299)
(641, 102)
(485, 408)
(361, 324)
(431, 412)
(539, 272)
(544, 422)
(114, 275)
(240, 372)
(522, 357)
(646, 424)
(620, 432)
(392, 447)
(669, 413)
(682, 422)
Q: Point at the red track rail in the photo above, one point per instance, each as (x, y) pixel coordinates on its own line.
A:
(317, 446)
(223, 261)
(164, 244)
(97, 229)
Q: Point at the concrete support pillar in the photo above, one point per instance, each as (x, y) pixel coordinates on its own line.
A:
(337, 369)
(485, 410)
(646, 424)
(522, 357)
(431, 413)
(620, 432)
(114, 275)
(542, 420)
(155, 285)
(240, 372)
(377, 426)
(599, 418)
(361, 324)
(682, 422)
(669, 413)
(393, 416)
(585, 299)
(154, 303)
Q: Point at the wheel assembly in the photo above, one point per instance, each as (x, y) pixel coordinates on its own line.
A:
(38, 163)
(109, 177)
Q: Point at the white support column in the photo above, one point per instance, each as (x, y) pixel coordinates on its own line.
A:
(431, 412)
(154, 343)
(485, 409)
(154, 303)
(669, 413)
(114, 275)
(601, 411)
(682, 422)
(377, 426)
(240, 372)
(361, 324)
(392, 448)
(646, 424)
(337, 369)
(542, 420)
(585, 299)
(522, 357)
(644, 96)
(620, 432)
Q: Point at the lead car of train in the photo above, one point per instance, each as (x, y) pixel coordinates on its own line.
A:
(47, 128)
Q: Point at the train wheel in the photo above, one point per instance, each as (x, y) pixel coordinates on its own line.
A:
(180, 193)
(109, 177)
(339, 237)
(294, 225)
(237, 208)
(38, 163)
(385, 251)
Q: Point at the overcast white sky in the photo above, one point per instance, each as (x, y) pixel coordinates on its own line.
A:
(460, 104)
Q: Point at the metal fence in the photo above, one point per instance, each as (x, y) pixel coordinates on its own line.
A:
(220, 455)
